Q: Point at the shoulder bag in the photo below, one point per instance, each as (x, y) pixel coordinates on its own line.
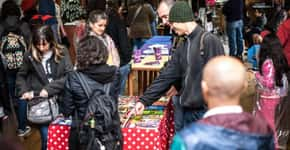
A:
(42, 110)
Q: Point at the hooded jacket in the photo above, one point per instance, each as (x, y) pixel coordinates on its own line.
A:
(230, 131)
(75, 98)
(283, 33)
(201, 136)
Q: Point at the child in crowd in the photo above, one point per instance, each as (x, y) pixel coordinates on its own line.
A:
(253, 51)
(272, 84)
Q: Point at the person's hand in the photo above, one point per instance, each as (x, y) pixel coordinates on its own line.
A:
(27, 95)
(43, 93)
(139, 108)
(171, 92)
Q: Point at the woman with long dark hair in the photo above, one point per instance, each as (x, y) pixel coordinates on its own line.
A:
(272, 83)
(43, 74)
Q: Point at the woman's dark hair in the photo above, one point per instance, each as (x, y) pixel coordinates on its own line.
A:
(42, 34)
(91, 51)
(97, 15)
(271, 48)
(10, 8)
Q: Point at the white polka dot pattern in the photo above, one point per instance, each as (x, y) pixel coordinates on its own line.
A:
(141, 139)
(58, 137)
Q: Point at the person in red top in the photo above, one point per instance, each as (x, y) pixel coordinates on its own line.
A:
(283, 33)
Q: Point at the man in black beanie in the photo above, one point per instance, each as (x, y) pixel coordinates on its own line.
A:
(185, 66)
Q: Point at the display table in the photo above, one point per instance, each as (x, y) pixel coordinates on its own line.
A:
(147, 138)
(148, 69)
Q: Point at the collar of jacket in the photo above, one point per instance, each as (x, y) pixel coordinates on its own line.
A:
(39, 68)
(194, 32)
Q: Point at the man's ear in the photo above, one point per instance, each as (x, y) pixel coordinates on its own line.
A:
(245, 85)
(204, 89)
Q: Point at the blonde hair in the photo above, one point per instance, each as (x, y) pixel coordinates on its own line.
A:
(257, 39)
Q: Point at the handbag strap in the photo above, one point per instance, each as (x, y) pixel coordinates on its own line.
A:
(136, 14)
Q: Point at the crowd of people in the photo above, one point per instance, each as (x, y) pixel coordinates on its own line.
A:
(205, 82)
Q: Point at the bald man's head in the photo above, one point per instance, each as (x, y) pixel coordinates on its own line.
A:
(224, 78)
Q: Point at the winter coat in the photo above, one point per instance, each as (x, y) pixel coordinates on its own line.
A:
(226, 132)
(74, 94)
(117, 30)
(75, 100)
(185, 67)
(140, 27)
(283, 33)
(31, 76)
(233, 10)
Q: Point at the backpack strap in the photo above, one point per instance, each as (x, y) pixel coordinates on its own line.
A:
(136, 14)
(107, 88)
(84, 84)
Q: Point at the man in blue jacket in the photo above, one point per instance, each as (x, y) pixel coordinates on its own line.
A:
(186, 65)
(225, 126)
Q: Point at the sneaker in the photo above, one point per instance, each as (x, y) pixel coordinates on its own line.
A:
(25, 132)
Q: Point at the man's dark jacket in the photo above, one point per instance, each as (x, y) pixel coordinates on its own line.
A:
(233, 10)
(185, 66)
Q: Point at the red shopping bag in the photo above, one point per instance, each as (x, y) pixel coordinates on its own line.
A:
(58, 137)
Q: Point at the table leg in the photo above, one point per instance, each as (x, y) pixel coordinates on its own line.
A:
(130, 81)
(140, 82)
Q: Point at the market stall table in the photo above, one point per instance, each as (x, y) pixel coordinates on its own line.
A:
(152, 130)
(148, 69)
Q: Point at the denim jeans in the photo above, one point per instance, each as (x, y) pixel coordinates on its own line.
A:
(183, 117)
(11, 80)
(124, 72)
(22, 117)
(43, 129)
(235, 35)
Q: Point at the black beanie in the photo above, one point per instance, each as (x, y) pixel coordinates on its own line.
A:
(180, 12)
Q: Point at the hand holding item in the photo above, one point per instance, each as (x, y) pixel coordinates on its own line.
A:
(27, 95)
(171, 92)
(139, 108)
(43, 93)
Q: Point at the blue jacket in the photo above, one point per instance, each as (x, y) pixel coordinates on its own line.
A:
(208, 137)
(252, 53)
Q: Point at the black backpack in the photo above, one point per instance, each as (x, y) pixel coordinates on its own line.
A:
(13, 47)
(96, 128)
